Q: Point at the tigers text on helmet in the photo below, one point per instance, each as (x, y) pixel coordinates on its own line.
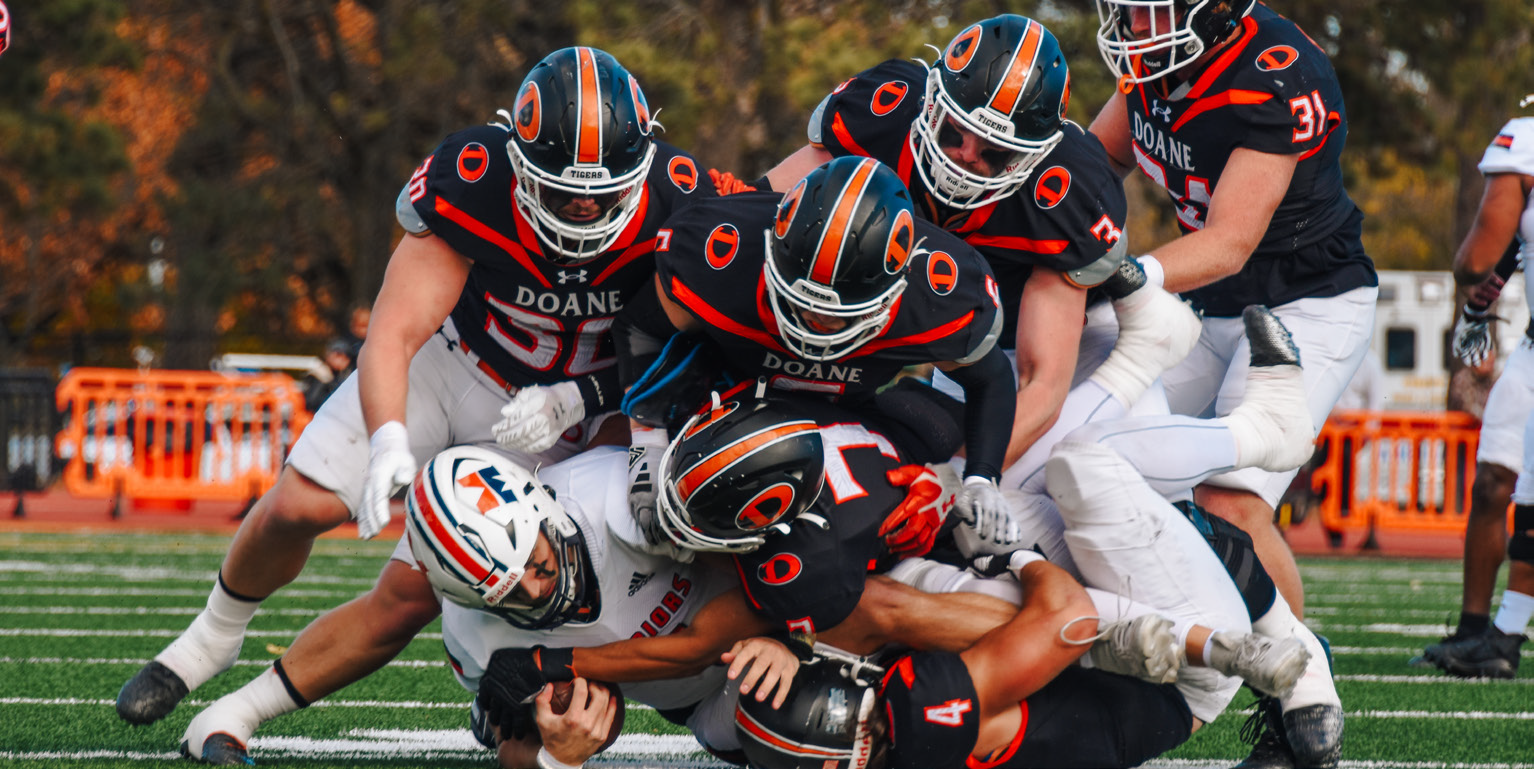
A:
(827, 722)
(836, 257)
(1004, 81)
(473, 518)
(1173, 33)
(738, 470)
(581, 145)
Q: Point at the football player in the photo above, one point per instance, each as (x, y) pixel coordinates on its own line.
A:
(1239, 116)
(1012, 699)
(1479, 646)
(834, 288)
(524, 239)
(980, 139)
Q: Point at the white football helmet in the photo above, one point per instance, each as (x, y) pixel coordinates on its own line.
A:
(473, 518)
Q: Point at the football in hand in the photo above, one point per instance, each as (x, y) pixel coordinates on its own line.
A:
(564, 691)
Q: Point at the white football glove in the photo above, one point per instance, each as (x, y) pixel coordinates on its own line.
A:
(646, 445)
(390, 467)
(1472, 336)
(538, 415)
(987, 525)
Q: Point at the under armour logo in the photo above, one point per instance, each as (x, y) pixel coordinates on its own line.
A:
(1165, 113)
(579, 276)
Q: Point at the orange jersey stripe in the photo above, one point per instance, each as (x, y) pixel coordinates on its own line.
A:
(727, 456)
(588, 137)
(823, 269)
(1011, 88)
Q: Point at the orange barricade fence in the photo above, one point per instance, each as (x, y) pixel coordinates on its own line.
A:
(1404, 470)
(175, 435)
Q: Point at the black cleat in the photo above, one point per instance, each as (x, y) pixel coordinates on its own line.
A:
(1264, 729)
(1271, 343)
(220, 750)
(1126, 280)
(150, 694)
(1314, 734)
(1489, 654)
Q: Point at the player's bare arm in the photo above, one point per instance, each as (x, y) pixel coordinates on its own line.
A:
(717, 626)
(1049, 324)
(797, 166)
(1496, 222)
(420, 287)
(1111, 127)
(1240, 208)
(892, 612)
(1020, 657)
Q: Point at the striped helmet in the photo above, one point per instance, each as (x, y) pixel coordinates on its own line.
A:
(474, 517)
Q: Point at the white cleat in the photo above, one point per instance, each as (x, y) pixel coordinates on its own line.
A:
(1156, 331)
(1272, 666)
(1272, 426)
(1143, 648)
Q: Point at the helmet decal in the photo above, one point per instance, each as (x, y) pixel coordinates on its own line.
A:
(780, 569)
(713, 415)
(473, 161)
(683, 173)
(1052, 186)
(765, 508)
(962, 49)
(1065, 96)
(833, 238)
(1276, 58)
(726, 456)
(528, 115)
(942, 273)
(721, 246)
(641, 106)
(1005, 99)
(888, 96)
(898, 250)
(493, 492)
(588, 132)
(787, 208)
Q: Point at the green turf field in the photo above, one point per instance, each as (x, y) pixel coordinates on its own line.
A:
(79, 613)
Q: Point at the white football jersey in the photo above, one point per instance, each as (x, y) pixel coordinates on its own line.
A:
(1512, 152)
(641, 594)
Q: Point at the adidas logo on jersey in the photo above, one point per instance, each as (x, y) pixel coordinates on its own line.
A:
(637, 582)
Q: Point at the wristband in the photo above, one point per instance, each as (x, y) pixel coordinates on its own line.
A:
(546, 760)
(556, 663)
(639, 435)
(1155, 274)
(1021, 558)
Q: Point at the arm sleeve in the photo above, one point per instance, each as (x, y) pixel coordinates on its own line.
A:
(989, 394)
(640, 331)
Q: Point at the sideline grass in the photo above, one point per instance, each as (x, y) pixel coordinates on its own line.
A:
(80, 613)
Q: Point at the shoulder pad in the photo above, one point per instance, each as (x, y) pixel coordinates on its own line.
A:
(991, 338)
(816, 118)
(1512, 151)
(404, 211)
(1100, 269)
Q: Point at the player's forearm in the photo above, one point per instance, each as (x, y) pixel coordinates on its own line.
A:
(891, 612)
(383, 371)
(1038, 406)
(1200, 258)
(990, 405)
(690, 650)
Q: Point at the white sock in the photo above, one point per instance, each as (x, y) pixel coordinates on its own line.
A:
(240, 713)
(212, 642)
(1513, 616)
(1316, 686)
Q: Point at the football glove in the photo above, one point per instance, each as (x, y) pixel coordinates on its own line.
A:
(538, 415)
(911, 528)
(390, 467)
(646, 446)
(516, 676)
(725, 183)
(1472, 335)
(987, 524)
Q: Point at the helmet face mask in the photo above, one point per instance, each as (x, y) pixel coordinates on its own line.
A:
(837, 256)
(1004, 82)
(737, 472)
(474, 520)
(1180, 31)
(581, 146)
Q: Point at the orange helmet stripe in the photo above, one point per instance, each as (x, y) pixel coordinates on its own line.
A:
(723, 458)
(1011, 88)
(588, 135)
(838, 224)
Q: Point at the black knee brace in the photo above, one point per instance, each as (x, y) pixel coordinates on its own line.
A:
(1520, 546)
(1234, 549)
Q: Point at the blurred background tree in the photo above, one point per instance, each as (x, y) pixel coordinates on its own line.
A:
(211, 177)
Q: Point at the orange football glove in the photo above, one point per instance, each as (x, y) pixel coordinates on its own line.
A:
(725, 183)
(911, 529)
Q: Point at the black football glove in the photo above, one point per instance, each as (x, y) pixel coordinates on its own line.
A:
(515, 676)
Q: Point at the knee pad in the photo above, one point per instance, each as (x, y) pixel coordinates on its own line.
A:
(1234, 549)
(1520, 546)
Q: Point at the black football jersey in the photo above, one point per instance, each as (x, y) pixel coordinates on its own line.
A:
(811, 578)
(710, 261)
(1271, 90)
(1069, 216)
(1083, 719)
(523, 318)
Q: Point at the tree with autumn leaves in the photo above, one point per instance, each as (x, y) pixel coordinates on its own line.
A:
(213, 177)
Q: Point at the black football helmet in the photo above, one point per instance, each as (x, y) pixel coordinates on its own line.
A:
(580, 129)
(1179, 32)
(827, 722)
(1005, 81)
(837, 256)
(736, 472)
